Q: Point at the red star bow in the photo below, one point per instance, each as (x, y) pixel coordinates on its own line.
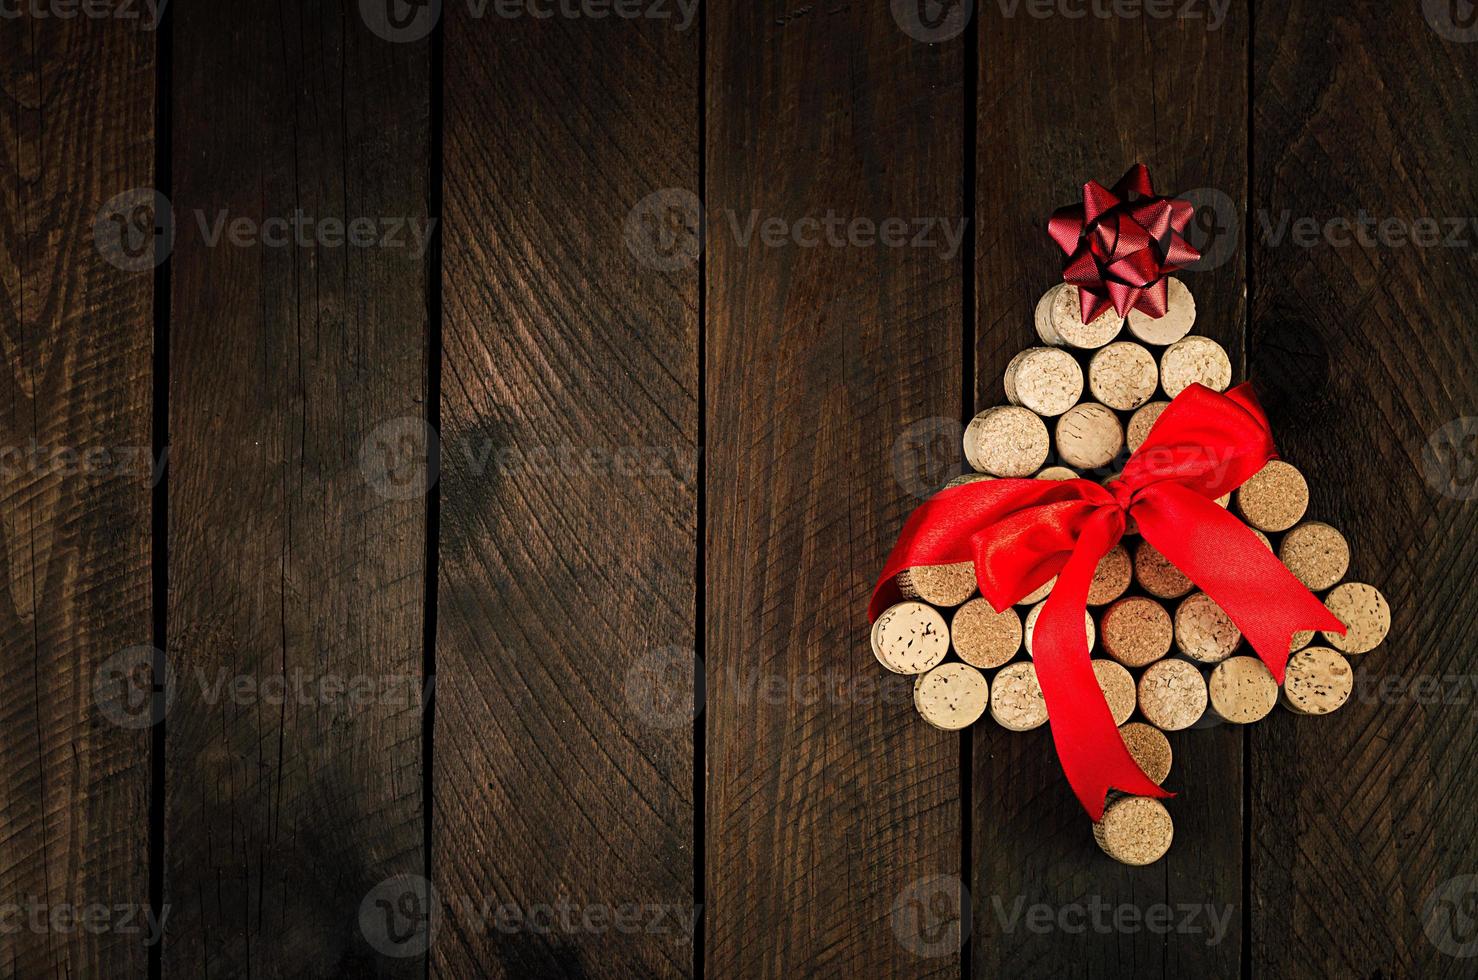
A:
(1119, 249)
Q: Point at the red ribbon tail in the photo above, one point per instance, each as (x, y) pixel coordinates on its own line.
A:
(1093, 755)
(1228, 563)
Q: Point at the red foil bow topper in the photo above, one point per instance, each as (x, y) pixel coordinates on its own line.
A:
(1020, 533)
(1121, 243)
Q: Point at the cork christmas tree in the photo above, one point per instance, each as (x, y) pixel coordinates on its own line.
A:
(1126, 555)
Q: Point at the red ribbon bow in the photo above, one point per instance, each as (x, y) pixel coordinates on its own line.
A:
(1020, 533)
(1119, 251)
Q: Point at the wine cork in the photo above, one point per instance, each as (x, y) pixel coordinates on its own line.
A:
(1365, 613)
(951, 696)
(1194, 360)
(1241, 690)
(1141, 422)
(1038, 594)
(1117, 685)
(1316, 554)
(1123, 375)
(1318, 680)
(1136, 631)
(1149, 747)
(1007, 441)
(1203, 632)
(1135, 830)
(1180, 316)
(983, 637)
(1111, 577)
(1266, 541)
(1057, 473)
(1089, 435)
(1172, 694)
(1046, 380)
(1066, 322)
(938, 585)
(1301, 639)
(1274, 498)
(1157, 576)
(965, 478)
(910, 638)
(1030, 626)
(1016, 699)
(1042, 315)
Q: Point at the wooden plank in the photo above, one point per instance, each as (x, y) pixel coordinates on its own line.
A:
(77, 131)
(832, 809)
(563, 817)
(1363, 823)
(1061, 101)
(297, 529)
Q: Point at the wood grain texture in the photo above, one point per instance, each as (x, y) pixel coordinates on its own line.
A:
(297, 591)
(1363, 351)
(1061, 101)
(564, 821)
(76, 129)
(830, 803)
(563, 818)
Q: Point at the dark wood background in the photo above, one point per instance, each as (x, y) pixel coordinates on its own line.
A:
(588, 492)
